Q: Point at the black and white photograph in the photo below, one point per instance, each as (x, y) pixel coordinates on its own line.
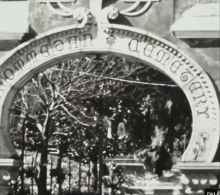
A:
(109, 97)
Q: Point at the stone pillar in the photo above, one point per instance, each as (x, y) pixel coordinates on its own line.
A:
(13, 27)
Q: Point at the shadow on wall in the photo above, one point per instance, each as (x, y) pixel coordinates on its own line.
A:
(202, 43)
(108, 3)
(29, 35)
(215, 86)
(217, 155)
(121, 20)
(9, 44)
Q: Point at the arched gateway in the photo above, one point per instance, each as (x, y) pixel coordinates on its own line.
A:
(36, 55)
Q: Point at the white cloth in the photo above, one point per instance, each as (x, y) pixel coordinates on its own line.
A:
(109, 127)
(109, 133)
(121, 130)
(169, 106)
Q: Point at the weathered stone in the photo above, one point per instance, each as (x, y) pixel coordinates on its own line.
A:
(89, 35)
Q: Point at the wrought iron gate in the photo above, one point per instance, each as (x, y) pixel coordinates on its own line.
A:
(74, 162)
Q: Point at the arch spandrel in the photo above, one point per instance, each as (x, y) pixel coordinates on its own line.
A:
(46, 50)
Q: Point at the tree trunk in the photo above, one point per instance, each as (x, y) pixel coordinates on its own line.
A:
(42, 188)
(59, 167)
(95, 174)
(100, 159)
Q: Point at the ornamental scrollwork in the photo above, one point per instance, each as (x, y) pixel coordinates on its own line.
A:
(132, 10)
(186, 75)
(81, 14)
(201, 145)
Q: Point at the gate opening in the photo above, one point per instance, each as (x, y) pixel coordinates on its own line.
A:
(83, 126)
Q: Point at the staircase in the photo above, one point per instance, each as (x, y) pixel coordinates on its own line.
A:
(138, 180)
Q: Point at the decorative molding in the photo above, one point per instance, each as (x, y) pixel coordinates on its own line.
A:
(194, 166)
(195, 183)
(198, 176)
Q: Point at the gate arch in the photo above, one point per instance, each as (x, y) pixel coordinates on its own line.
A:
(29, 58)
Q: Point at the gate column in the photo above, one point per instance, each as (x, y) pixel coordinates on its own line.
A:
(11, 32)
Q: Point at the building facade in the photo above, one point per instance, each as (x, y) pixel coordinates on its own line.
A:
(179, 38)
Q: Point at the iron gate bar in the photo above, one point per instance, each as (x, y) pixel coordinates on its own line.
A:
(51, 166)
(22, 153)
(100, 159)
(80, 142)
(69, 174)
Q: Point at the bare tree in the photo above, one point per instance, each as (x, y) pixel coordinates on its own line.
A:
(77, 93)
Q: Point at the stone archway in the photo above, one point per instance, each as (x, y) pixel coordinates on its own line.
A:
(32, 57)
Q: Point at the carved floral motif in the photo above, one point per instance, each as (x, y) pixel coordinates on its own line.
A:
(111, 40)
(201, 145)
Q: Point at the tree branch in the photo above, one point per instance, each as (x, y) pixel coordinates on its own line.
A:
(66, 110)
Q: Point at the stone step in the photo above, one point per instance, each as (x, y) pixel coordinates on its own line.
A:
(137, 171)
(142, 181)
(117, 159)
(132, 167)
(120, 160)
(139, 167)
(165, 190)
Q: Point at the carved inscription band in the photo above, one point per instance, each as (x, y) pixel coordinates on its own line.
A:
(47, 50)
